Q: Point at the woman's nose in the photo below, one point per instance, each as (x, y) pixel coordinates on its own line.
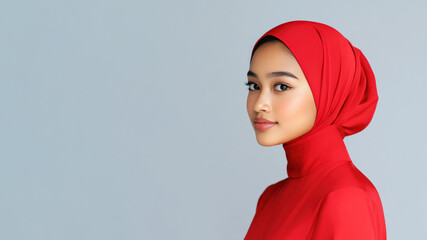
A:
(262, 104)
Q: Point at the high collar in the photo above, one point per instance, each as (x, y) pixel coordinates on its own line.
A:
(326, 145)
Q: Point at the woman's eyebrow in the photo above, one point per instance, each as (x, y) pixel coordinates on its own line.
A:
(273, 74)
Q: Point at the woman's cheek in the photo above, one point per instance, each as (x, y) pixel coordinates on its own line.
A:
(296, 112)
(289, 109)
(250, 105)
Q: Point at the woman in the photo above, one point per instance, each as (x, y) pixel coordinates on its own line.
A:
(309, 87)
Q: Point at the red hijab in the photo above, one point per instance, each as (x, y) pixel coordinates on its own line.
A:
(342, 83)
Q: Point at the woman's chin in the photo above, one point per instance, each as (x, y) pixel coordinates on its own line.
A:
(269, 140)
(266, 142)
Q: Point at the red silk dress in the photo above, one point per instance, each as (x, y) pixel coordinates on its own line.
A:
(325, 196)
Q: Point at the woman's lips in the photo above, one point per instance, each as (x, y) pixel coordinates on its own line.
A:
(263, 126)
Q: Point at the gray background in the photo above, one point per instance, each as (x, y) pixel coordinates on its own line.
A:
(127, 119)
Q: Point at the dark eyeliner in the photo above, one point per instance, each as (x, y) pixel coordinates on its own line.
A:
(275, 85)
(284, 84)
(249, 83)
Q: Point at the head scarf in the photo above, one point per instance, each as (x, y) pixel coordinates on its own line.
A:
(342, 83)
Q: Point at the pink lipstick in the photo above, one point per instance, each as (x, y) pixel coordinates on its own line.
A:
(263, 124)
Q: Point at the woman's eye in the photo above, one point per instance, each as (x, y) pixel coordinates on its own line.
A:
(281, 87)
(251, 86)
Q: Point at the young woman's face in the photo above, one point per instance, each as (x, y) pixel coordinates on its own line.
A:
(278, 92)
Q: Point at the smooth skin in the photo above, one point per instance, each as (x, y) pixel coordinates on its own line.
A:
(283, 99)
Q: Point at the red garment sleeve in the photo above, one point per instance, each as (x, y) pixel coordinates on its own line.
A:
(345, 214)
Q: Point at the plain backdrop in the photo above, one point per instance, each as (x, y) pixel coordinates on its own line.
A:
(127, 119)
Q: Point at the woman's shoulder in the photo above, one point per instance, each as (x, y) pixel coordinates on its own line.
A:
(347, 180)
(269, 191)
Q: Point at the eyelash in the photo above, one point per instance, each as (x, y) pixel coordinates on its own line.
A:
(250, 82)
